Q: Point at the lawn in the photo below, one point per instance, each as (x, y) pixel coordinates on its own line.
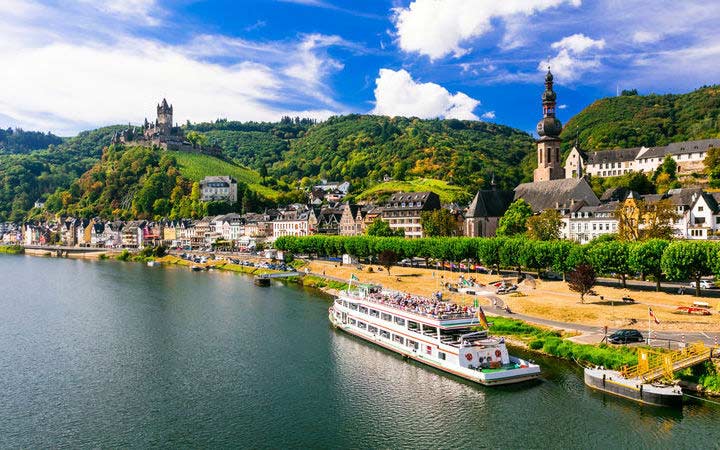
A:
(448, 193)
(197, 166)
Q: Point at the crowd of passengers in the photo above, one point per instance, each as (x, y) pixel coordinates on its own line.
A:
(434, 306)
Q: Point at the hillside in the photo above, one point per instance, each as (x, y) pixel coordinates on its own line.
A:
(636, 120)
(195, 167)
(363, 148)
(144, 182)
(447, 193)
(21, 141)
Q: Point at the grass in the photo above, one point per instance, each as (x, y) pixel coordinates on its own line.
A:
(552, 343)
(12, 249)
(197, 166)
(448, 193)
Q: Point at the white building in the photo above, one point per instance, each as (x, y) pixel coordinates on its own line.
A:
(218, 189)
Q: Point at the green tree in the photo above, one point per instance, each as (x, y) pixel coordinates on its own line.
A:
(545, 226)
(387, 258)
(646, 258)
(514, 221)
(439, 222)
(610, 257)
(381, 228)
(581, 280)
(712, 166)
(683, 260)
(196, 139)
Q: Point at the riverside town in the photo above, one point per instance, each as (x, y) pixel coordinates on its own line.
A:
(428, 217)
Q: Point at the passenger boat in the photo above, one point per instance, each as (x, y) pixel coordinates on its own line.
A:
(262, 281)
(436, 333)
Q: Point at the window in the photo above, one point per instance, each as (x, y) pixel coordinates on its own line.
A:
(372, 329)
(441, 355)
(700, 208)
(385, 316)
(354, 306)
(374, 313)
(385, 334)
(361, 325)
(412, 344)
(398, 339)
(400, 321)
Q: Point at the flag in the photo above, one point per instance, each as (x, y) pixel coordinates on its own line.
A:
(657, 322)
(353, 277)
(482, 318)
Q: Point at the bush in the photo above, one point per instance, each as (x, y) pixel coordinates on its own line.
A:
(537, 344)
(124, 256)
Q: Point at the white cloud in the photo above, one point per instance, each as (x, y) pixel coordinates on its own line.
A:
(571, 61)
(488, 115)
(438, 27)
(578, 43)
(563, 106)
(397, 94)
(646, 37)
(69, 81)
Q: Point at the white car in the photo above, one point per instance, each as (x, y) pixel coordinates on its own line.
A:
(704, 284)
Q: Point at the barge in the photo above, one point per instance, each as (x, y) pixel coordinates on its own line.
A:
(439, 334)
(613, 382)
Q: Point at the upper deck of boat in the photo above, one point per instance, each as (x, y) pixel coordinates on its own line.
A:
(437, 312)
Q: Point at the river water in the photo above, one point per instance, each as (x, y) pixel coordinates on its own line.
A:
(109, 354)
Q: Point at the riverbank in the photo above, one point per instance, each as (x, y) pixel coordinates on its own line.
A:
(12, 249)
(544, 299)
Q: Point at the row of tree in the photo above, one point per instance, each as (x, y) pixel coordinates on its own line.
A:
(656, 258)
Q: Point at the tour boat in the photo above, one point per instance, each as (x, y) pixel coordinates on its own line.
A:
(439, 334)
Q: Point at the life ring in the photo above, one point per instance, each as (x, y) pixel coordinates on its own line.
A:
(468, 356)
(498, 353)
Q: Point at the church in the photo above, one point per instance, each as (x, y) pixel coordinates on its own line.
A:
(550, 188)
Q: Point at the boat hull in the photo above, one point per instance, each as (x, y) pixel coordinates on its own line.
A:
(642, 393)
(511, 376)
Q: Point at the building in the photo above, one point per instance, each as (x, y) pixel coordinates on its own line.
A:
(550, 188)
(218, 189)
(688, 155)
(548, 146)
(584, 223)
(302, 223)
(402, 211)
(485, 211)
(348, 220)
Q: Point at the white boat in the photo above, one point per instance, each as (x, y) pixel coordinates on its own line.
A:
(432, 332)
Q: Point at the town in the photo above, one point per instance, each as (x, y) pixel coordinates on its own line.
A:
(687, 213)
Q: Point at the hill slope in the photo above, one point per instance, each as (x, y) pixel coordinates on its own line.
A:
(649, 120)
(362, 149)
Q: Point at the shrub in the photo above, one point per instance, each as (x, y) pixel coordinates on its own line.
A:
(537, 344)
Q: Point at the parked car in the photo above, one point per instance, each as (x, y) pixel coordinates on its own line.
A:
(704, 284)
(506, 289)
(625, 337)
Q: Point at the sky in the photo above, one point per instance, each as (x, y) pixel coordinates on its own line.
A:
(73, 65)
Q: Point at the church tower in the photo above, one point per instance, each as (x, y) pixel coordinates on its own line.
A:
(165, 117)
(548, 146)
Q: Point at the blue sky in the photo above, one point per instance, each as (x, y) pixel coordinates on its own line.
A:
(77, 64)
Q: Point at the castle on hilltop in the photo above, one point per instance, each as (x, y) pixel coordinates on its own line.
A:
(162, 134)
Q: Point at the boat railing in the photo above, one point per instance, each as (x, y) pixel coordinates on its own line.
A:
(441, 315)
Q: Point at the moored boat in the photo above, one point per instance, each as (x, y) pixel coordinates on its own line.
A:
(262, 281)
(439, 334)
(613, 382)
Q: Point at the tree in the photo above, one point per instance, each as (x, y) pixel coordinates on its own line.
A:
(610, 257)
(439, 222)
(646, 258)
(387, 258)
(712, 166)
(196, 139)
(545, 226)
(581, 280)
(640, 220)
(381, 228)
(683, 260)
(514, 221)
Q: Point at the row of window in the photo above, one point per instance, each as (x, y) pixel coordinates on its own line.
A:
(414, 345)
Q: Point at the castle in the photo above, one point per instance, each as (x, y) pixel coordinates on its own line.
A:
(162, 134)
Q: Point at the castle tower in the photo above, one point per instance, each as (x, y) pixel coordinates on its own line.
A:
(164, 117)
(548, 146)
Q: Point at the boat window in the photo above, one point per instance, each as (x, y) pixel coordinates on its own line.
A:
(413, 326)
(385, 316)
(353, 321)
(398, 338)
(441, 355)
(429, 331)
(372, 329)
(374, 313)
(363, 310)
(400, 321)
(354, 306)
(361, 325)
(385, 334)
(412, 344)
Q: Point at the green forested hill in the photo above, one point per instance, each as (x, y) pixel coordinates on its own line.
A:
(363, 148)
(21, 141)
(649, 120)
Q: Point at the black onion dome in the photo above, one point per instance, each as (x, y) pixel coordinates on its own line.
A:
(549, 96)
(549, 126)
(549, 77)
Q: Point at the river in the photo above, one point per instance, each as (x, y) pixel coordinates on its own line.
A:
(110, 354)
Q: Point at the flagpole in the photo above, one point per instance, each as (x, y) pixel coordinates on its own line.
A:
(649, 325)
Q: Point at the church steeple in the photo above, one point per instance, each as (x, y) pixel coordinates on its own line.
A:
(549, 129)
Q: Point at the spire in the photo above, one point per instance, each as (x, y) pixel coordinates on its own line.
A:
(493, 186)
